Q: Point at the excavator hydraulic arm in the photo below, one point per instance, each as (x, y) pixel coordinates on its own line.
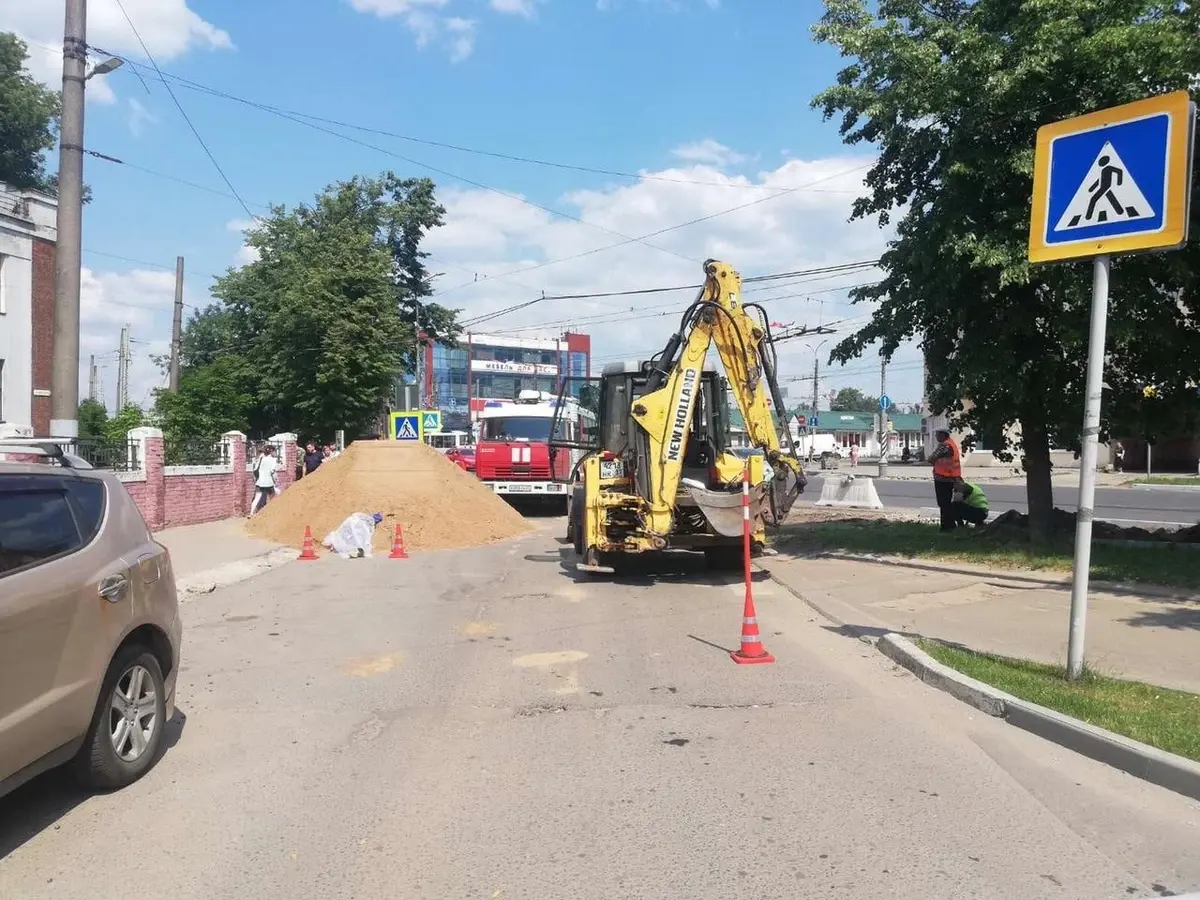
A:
(664, 413)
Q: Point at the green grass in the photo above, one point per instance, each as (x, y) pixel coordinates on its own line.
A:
(1185, 480)
(1170, 566)
(1160, 717)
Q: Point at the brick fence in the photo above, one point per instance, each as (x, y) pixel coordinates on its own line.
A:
(188, 495)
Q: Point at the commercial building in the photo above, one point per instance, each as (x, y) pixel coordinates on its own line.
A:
(27, 248)
(483, 367)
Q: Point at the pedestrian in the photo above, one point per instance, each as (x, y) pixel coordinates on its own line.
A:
(1118, 456)
(312, 458)
(947, 469)
(264, 478)
(854, 456)
(970, 503)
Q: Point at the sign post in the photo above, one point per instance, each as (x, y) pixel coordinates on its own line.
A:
(885, 438)
(1110, 182)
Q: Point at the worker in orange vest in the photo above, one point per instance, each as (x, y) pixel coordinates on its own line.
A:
(947, 469)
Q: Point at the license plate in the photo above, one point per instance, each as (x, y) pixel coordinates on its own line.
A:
(612, 469)
(520, 488)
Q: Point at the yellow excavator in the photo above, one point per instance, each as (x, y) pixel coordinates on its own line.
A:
(658, 471)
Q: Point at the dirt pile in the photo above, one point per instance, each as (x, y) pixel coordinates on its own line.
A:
(438, 505)
(1013, 527)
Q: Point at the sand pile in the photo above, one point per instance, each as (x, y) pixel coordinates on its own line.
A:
(438, 504)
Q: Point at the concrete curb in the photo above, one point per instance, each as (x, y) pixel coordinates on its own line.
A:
(1175, 773)
(1165, 487)
(233, 572)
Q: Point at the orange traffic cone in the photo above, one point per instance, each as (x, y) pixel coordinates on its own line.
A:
(398, 551)
(308, 550)
(752, 649)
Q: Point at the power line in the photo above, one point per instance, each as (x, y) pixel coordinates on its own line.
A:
(696, 221)
(415, 162)
(825, 271)
(182, 112)
(445, 145)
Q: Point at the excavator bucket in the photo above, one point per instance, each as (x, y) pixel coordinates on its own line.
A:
(783, 491)
(723, 509)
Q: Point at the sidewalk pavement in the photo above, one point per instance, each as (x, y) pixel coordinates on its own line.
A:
(1145, 635)
(196, 549)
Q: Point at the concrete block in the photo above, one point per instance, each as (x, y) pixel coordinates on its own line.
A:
(849, 492)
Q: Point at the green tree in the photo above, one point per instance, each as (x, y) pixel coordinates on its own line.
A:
(28, 120)
(93, 419)
(212, 399)
(129, 418)
(951, 93)
(327, 316)
(849, 399)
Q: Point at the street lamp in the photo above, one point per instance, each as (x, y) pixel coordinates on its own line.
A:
(109, 65)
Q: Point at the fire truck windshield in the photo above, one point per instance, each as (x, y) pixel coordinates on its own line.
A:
(517, 428)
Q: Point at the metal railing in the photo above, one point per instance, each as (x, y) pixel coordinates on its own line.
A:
(118, 455)
(195, 452)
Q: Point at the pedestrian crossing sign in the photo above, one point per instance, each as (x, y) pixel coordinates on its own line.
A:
(431, 420)
(1113, 181)
(406, 426)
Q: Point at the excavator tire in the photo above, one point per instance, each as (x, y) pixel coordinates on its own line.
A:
(724, 559)
(577, 534)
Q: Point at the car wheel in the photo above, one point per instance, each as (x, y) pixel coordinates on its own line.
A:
(127, 727)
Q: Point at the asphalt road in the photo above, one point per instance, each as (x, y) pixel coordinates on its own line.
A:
(485, 725)
(1122, 506)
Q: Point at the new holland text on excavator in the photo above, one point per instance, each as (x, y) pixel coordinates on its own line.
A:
(658, 471)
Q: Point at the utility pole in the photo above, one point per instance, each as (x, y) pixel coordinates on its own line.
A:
(176, 327)
(883, 421)
(123, 370)
(92, 378)
(64, 374)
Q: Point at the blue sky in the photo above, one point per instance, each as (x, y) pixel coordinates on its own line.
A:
(710, 99)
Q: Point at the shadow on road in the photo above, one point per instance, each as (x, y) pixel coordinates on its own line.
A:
(38, 805)
(643, 569)
(1178, 618)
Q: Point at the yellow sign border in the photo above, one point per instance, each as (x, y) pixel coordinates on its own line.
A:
(1177, 105)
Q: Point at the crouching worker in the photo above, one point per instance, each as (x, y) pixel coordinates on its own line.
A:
(969, 504)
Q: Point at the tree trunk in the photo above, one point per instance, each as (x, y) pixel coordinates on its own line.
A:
(1039, 489)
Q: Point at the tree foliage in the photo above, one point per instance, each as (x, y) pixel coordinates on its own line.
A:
(312, 335)
(951, 93)
(92, 418)
(28, 120)
(850, 399)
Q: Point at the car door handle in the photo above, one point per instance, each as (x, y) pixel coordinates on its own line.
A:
(113, 588)
(155, 573)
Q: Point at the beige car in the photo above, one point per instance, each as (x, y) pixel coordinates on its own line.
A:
(89, 625)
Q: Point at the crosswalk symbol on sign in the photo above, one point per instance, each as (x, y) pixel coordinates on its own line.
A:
(1107, 193)
(406, 430)
(433, 421)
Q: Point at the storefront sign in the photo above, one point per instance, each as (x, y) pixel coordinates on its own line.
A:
(512, 368)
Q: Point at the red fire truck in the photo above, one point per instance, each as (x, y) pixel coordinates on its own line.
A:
(512, 455)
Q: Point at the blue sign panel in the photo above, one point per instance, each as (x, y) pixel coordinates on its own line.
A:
(885, 402)
(408, 428)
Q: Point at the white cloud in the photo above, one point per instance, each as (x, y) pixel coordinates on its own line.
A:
(524, 8)
(142, 299)
(245, 253)
(708, 151)
(169, 28)
(139, 117)
(462, 38)
(488, 236)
